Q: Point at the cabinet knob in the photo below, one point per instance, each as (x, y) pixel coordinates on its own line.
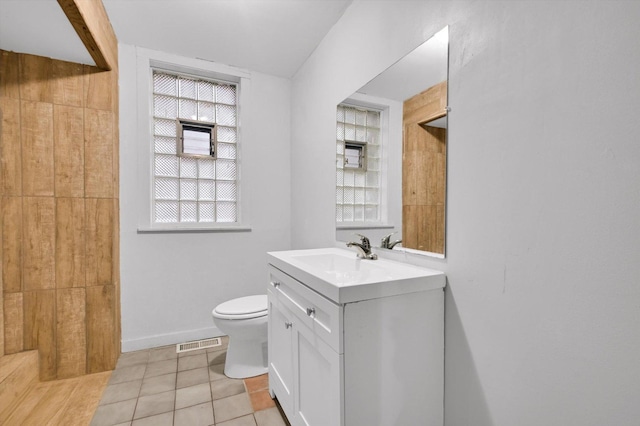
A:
(311, 311)
(276, 284)
(288, 324)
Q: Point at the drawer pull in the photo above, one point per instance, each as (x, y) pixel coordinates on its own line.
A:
(288, 324)
(276, 284)
(311, 311)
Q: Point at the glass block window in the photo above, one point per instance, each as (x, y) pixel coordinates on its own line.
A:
(357, 188)
(194, 189)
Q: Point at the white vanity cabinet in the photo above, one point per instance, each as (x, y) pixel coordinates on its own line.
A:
(304, 370)
(372, 357)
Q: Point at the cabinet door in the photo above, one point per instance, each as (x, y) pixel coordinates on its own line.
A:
(281, 355)
(319, 394)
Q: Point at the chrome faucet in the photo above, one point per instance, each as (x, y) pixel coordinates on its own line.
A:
(386, 242)
(364, 248)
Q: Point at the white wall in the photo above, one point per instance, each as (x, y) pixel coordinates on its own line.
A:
(172, 281)
(543, 236)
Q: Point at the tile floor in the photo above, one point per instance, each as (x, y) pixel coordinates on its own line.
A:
(160, 387)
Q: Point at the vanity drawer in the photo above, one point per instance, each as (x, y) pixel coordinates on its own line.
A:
(315, 311)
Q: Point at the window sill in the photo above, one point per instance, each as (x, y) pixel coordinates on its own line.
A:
(363, 225)
(162, 228)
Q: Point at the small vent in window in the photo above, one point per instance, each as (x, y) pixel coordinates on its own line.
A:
(200, 344)
(196, 139)
(355, 155)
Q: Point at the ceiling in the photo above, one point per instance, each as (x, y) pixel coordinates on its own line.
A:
(270, 36)
(39, 27)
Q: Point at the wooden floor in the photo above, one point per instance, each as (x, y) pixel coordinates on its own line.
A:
(69, 402)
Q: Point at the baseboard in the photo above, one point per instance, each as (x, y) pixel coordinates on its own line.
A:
(130, 345)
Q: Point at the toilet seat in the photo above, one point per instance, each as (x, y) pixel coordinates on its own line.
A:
(242, 308)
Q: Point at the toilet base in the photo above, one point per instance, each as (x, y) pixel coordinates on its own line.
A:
(247, 350)
(246, 358)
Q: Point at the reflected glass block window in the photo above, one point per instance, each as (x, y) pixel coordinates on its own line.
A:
(358, 151)
(201, 187)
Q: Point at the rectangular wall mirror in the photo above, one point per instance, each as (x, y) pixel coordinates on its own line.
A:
(397, 187)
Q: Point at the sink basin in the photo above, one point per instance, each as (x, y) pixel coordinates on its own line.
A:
(345, 269)
(341, 276)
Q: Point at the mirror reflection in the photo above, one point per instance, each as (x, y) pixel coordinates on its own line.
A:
(391, 154)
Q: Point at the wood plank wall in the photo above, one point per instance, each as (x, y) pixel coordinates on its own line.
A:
(59, 214)
(424, 171)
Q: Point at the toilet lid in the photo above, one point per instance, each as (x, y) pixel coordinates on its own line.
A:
(244, 306)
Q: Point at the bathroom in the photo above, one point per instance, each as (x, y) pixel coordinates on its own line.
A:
(542, 238)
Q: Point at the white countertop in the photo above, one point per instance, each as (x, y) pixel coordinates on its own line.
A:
(341, 277)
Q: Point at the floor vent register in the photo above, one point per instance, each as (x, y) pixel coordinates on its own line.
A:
(198, 344)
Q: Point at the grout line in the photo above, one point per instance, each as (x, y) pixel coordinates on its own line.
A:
(175, 387)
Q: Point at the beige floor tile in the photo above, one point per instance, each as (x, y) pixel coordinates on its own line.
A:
(197, 415)
(153, 375)
(218, 357)
(269, 417)
(158, 384)
(240, 421)
(121, 392)
(162, 354)
(216, 372)
(164, 419)
(155, 404)
(133, 358)
(159, 368)
(127, 374)
(192, 377)
(193, 395)
(191, 362)
(111, 414)
(226, 387)
(192, 353)
(231, 407)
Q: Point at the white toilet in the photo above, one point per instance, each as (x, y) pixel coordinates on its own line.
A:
(244, 320)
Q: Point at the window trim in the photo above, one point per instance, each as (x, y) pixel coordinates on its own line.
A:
(146, 61)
